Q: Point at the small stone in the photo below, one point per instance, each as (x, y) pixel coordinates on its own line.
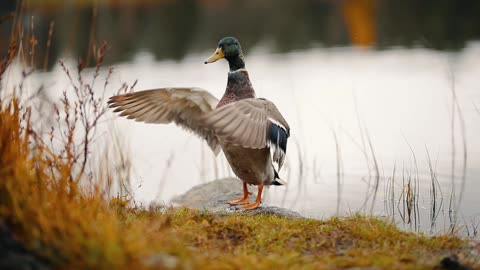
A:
(164, 260)
(452, 263)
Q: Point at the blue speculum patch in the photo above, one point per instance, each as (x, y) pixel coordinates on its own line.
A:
(278, 136)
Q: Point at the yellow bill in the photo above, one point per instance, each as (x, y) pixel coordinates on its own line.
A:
(218, 54)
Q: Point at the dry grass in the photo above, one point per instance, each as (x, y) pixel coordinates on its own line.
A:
(49, 211)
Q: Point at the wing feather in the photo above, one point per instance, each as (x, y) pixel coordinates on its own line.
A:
(252, 123)
(182, 106)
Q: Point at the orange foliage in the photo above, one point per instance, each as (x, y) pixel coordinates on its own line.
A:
(49, 211)
(359, 17)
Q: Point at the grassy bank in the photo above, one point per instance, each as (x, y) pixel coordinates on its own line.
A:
(239, 241)
(74, 226)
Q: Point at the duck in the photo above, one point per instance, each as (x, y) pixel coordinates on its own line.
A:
(251, 131)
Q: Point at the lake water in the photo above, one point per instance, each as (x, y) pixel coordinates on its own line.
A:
(384, 107)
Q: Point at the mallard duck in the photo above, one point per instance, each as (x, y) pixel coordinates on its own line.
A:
(251, 131)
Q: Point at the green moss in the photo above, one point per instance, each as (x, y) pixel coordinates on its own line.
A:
(233, 241)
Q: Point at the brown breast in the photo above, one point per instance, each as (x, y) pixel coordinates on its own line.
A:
(238, 87)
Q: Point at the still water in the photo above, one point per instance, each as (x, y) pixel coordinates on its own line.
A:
(356, 115)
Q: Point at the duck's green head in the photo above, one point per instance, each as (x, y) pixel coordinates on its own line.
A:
(230, 49)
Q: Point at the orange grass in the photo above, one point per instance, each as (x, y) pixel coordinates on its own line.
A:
(48, 211)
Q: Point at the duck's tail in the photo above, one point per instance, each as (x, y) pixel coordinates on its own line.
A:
(276, 179)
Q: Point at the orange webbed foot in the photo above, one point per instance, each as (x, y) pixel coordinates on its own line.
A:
(257, 202)
(250, 206)
(242, 200)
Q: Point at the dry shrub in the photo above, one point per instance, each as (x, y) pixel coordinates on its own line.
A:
(49, 211)
(51, 197)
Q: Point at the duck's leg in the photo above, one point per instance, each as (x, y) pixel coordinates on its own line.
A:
(244, 199)
(257, 202)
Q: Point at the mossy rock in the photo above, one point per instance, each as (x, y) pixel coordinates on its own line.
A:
(213, 196)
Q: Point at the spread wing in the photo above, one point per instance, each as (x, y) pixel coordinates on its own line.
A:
(182, 106)
(252, 123)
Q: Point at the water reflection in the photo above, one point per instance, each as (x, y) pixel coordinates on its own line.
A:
(172, 29)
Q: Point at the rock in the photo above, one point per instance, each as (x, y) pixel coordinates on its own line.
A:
(213, 196)
(451, 263)
(14, 256)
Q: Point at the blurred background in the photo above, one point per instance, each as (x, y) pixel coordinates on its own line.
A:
(172, 29)
(382, 96)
